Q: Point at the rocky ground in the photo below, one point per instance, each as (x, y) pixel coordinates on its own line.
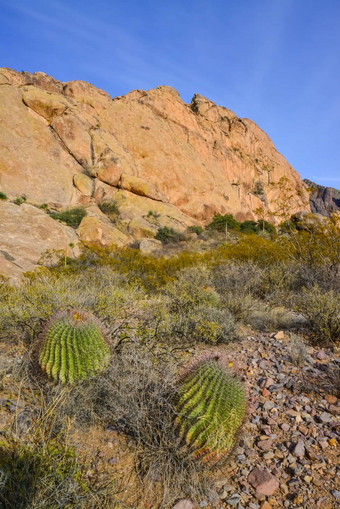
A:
(288, 454)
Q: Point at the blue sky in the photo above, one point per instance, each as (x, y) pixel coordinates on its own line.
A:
(276, 62)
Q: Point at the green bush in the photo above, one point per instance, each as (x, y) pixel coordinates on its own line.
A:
(263, 225)
(20, 200)
(220, 222)
(195, 229)
(166, 235)
(249, 226)
(3, 196)
(72, 217)
(210, 407)
(109, 208)
(191, 288)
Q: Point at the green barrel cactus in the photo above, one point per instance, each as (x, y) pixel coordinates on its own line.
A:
(210, 406)
(73, 346)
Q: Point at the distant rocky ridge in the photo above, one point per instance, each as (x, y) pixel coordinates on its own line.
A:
(163, 162)
(323, 200)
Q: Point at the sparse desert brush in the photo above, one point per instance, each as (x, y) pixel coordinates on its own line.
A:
(166, 235)
(195, 229)
(202, 324)
(73, 346)
(297, 349)
(323, 312)
(72, 217)
(236, 277)
(136, 397)
(109, 208)
(265, 318)
(259, 250)
(192, 287)
(99, 289)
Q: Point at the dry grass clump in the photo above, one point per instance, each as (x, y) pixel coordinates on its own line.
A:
(265, 318)
(136, 396)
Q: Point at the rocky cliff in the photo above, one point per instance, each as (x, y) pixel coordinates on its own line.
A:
(163, 162)
(323, 200)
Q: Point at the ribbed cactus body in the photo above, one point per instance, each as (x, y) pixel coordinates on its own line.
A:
(210, 406)
(73, 347)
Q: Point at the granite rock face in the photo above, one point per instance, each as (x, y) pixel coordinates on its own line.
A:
(26, 234)
(323, 200)
(165, 162)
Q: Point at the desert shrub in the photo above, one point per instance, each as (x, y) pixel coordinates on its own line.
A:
(249, 226)
(239, 305)
(260, 250)
(265, 226)
(193, 311)
(166, 234)
(297, 350)
(235, 283)
(19, 200)
(271, 319)
(318, 246)
(333, 378)
(201, 324)
(99, 289)
(3, 196)
(287, 226)
(192, 287)
(72, 217)
(195, 229)
(326, 276)
(136, 397)
(148, 271)
(235, 277)
(275, 282)
(33, 475)
(323, 312)
(220, 222)
(109, 208)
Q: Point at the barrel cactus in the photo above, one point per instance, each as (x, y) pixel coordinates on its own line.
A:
(210, 407)
(73, 346)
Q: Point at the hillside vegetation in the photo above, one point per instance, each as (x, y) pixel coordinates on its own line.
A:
(109, 439)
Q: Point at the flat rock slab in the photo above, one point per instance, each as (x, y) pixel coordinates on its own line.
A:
(184, 504)
(263, 481)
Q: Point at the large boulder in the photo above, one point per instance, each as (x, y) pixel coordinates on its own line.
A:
(26, 234)
(95, 233)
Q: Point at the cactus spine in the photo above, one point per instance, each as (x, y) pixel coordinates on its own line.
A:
(73, 346)
(210, 406)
